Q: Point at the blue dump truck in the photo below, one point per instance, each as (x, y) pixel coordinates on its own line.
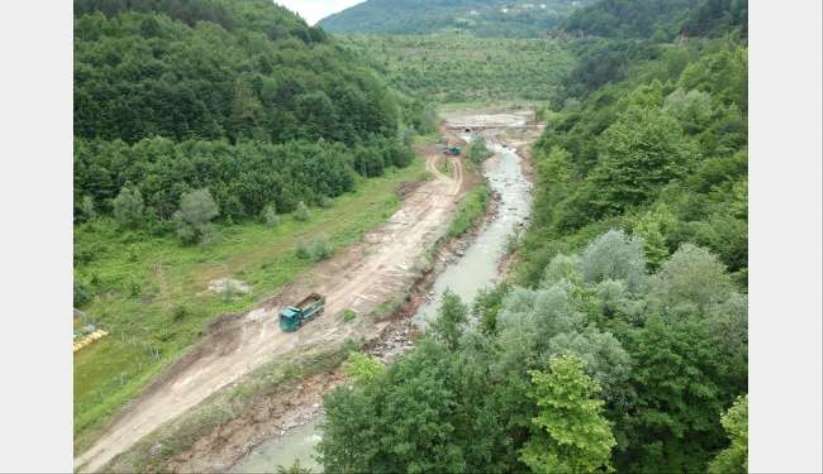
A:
(293, 317)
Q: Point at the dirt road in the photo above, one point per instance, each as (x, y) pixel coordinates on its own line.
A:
(361, 278)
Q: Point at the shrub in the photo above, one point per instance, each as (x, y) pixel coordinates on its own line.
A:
(197, 209)
(326, 202)
(349, 315)
(478, 151)
(302, 213)
(316, 250)
(269, 216)
(82, 293)
(129, 207)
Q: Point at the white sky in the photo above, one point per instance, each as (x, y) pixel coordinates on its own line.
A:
(315, 10)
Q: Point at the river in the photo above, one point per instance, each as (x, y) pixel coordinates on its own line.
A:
(476, 269)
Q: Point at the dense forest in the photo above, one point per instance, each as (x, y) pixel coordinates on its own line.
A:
(240, 98)
(620, 341)
(483, 18)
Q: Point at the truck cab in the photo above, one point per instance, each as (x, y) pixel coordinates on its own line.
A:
(293, 317)
(290, 319)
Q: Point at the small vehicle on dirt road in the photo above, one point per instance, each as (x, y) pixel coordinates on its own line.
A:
(293, 317)
(452, 151)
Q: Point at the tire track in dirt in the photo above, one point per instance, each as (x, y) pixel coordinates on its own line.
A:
(359, 278)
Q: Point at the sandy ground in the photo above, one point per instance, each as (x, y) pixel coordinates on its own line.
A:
(360, 278)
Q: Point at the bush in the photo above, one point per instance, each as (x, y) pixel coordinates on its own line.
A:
(269, 216)
(478, 152)
(129, 207)
(302, 213)
(326, 202)
(197, 209)
(316, 250)
(349, 315)
(82, 293)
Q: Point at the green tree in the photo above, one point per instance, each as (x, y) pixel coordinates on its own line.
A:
(652, 227)
(735, 458)
(693, 278)
(614, 255)
(569, 433)
(452, 316)
(642, 151)
(129, 208)
(193, 219)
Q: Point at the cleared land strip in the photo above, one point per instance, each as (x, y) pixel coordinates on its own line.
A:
(369, 273)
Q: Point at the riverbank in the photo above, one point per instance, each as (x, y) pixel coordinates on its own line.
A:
(465, 266)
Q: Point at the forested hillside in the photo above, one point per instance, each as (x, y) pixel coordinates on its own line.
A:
(446, 68)
(659, 20)
(211, 77)
(498, 18)
(620, 342)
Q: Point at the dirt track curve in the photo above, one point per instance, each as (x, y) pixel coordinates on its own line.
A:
(360, 278)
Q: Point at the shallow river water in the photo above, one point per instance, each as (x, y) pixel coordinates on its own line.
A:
(475, 270)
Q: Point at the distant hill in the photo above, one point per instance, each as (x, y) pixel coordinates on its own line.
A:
(511, 18)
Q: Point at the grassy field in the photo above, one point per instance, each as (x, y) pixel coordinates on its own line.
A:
(151, 292)
(448, 68)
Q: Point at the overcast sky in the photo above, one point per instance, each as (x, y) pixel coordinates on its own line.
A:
(315, 10)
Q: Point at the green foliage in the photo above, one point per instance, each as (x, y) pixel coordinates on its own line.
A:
(642, 151)
(302, 213)
(242, 98)
(451, 318)
(621, 159)
(615, 256)
(692, 277)
(631, 18)
(87, 209)
(349, 315)
(494, 18)
(478, 151)
(269, 216)
(316, 250)
(294, 469)
(362, 368)
(570, 434)
(193, 219)
(252, 71)
(82, 292)
(128, 207)
(487, 306)
(452, 68)
(735, 458)
(470, 211)
(652, 228)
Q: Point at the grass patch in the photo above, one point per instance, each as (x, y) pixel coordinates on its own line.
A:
(470, 210)
(151, 294)
(349, 315)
